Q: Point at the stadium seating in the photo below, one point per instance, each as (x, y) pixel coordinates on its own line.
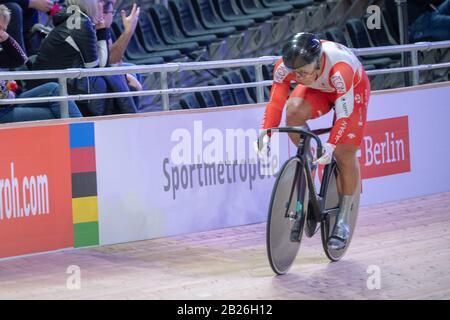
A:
(230, 11)
(277, 7)
(189, 101)
(148, 35)
(136, 53)
(168, 30)
(222, 97)
(241, 96)
(188, 23)
(206, 99)
(210, 19)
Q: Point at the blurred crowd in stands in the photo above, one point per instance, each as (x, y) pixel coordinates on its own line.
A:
(79, 38)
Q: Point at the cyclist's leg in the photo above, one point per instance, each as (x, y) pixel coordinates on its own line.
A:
(345, 155)
(347, 181)
(350, 141)
(349, 171)
(304, 104)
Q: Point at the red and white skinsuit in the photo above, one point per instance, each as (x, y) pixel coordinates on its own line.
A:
(343, 84)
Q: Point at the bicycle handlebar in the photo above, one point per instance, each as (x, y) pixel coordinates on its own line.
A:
(299, 130)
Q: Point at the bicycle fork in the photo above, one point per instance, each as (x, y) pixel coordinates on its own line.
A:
(293, 215)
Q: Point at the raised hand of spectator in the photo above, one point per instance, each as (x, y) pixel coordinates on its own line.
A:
(130, 22)
(133, 82)
(41, 5)
(3, 36)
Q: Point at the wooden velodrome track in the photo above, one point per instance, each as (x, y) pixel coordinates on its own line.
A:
(407, 242)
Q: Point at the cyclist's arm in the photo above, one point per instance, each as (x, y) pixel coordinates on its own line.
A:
(274, 109)
(341, 77)
(278, 96)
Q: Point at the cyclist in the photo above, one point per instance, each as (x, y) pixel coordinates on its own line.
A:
(328, 76)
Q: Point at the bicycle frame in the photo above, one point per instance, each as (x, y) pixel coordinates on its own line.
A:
(317, 200)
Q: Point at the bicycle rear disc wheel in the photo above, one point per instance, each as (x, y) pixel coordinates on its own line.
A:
(331, 198)
(281, 250)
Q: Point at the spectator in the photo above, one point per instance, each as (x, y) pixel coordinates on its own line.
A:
(429, 20)
(12, 56)
(80, 40)
(434, 22)
(24, 16)
(117, 49)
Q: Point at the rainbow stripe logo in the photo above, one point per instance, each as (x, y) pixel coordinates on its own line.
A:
(84, 185)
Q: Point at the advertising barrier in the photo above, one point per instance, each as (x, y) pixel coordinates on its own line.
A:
(140, 177)
(35, 190)
(179, 173)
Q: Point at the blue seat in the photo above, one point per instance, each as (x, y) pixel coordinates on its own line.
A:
(175, 106)
(148, 36)
(222, 97)
(360, 39)
(248, 75)
(241, 96)
(136, 53)
(257, 6)
(368, 67)
(250, 7)
(336, 35)
(147, 60)
(299, 4)
(206, 99)
(358, 34)
(189, 101)
(210, 18)
(390, 23)
(277, 7)
(188, 23)
(229, 10)
(168, 30)
(380, 36)
(267, 72)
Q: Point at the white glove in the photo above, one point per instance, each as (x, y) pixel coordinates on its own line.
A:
(327, 154)
(262, 149)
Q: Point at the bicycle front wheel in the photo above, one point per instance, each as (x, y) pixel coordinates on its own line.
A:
(288, 196)
(331, 199)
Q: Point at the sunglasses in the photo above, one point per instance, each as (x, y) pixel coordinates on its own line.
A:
(303, 74)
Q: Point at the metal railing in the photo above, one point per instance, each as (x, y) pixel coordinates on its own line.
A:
(164, 69)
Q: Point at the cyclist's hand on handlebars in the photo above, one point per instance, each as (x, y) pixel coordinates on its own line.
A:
(262, 147)
(327, 154)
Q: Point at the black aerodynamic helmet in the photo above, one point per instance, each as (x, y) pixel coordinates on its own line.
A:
(302, 49)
